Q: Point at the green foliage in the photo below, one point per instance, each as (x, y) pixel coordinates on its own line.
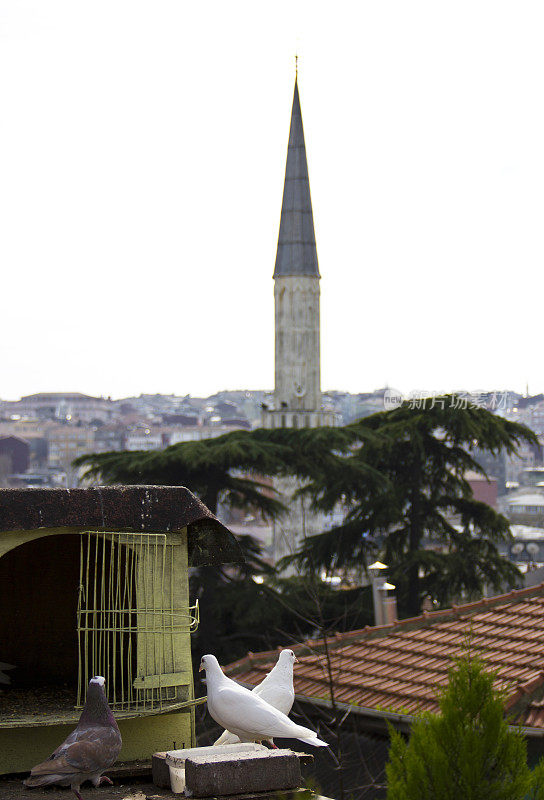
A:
(210, 468)
(399, 475)
(422, 457)
(238, 615)
(467, 751)
(537, 782)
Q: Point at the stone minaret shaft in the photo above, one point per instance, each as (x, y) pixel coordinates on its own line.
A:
(296, 286)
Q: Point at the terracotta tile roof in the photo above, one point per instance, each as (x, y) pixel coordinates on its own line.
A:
(399, 668)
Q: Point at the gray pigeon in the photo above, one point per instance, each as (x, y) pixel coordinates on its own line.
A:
(88, 751)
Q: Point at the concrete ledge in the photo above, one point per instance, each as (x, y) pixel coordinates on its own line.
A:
(246, 773)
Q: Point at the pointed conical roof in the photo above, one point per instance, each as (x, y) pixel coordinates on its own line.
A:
(296, 253)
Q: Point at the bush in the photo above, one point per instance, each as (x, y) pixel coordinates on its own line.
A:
(467, 751)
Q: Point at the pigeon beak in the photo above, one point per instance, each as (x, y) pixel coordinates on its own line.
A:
(201, 667)
(296, 660)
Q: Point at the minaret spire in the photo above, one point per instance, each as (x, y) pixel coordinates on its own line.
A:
(297, 252)
(297, 384)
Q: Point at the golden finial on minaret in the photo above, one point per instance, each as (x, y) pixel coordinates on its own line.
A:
(296, 66)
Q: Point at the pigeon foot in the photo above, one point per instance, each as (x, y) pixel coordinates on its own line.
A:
(105, 779)
(77, 794)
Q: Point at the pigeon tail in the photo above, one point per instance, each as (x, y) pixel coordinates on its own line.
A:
(227, 738)
(305, 735)
(34, 781)
(314, 741)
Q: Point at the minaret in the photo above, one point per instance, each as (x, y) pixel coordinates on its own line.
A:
(297, 385)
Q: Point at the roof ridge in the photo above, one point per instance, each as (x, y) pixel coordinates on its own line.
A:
(455, 612)
(398, 627)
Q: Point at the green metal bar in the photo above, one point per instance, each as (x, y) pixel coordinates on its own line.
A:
(128, 605)
(127, 695)
(171, 614)
(95, 617)
(102, 617)
(80, 660)
(87, 654)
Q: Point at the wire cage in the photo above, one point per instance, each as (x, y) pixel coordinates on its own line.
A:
(133, 620)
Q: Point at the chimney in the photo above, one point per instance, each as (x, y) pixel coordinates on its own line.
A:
(385, 604)
(389, 604)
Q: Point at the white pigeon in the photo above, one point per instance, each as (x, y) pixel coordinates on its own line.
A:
(277, 689)
(247, 715)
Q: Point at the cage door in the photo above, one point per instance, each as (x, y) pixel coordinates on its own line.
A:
(133, 624)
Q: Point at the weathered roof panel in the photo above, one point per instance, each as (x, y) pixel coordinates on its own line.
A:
(139, 509)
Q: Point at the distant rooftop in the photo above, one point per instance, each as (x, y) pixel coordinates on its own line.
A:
(527, 532)
(471, 475)
(60, 396)
(527, 500)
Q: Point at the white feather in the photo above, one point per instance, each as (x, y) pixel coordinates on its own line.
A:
(276, 688)
(247, 715)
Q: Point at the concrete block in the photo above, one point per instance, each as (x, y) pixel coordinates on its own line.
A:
(242, 773)
(163, 764)
(160, 771)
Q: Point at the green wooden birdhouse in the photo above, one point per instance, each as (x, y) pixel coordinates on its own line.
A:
(96, 582)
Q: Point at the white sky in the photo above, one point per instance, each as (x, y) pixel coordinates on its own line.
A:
(142, 154)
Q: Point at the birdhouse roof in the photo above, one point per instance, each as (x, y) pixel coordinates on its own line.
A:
(138, 509)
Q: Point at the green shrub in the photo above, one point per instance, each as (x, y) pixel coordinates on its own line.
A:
(467, 752)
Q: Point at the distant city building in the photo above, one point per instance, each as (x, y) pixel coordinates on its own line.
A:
(67, 442)
(179, 419)
(109, 438)
(526, 505)
(61, 405)
(483, 489)
(527, 546)
(532, 476)
(17, 450)
(199, 432)
(144, 439)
